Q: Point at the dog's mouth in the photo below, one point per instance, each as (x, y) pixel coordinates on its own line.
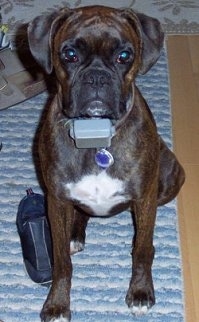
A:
(97, 109)
(94, 126)
(97, 123)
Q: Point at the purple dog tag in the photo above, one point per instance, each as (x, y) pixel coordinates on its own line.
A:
(104, 159)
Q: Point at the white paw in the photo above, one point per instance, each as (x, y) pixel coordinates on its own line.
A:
(139, 310)
(60, 319)
(75, 247)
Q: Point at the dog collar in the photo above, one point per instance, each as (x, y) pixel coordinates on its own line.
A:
(93, 133)
(96, 133)
(104, 158)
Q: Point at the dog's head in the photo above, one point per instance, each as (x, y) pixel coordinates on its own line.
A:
(96, 53)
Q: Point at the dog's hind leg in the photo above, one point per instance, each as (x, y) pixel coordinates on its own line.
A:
(79, 232)
(171, 175)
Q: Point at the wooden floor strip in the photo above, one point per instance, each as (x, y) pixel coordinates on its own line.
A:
(183, 57)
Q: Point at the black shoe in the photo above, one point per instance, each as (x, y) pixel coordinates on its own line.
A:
(35, 238)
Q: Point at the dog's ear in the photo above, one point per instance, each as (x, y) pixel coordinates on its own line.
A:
(40, 33)
(152, 38)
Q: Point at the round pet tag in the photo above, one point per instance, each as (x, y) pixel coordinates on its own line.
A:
(103, 158)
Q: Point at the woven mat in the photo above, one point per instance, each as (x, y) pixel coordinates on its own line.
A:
(102, 272)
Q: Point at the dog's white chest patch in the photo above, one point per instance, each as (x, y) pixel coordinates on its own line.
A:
(98, 192)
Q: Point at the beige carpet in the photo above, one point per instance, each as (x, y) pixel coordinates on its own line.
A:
(176, 16)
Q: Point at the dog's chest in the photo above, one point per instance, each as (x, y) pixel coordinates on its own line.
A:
(98, 192)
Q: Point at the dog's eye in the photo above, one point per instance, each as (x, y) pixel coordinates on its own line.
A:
(123, 57)
(70, 55)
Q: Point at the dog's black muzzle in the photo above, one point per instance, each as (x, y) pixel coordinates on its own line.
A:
(96, 93)
(96, 107)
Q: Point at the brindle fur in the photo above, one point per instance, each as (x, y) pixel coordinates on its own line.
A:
(150, 171)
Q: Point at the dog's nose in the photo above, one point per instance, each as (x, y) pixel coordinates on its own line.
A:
(97, 78)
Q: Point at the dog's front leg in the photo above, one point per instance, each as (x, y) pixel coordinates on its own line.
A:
(140, 296)
(57, 305)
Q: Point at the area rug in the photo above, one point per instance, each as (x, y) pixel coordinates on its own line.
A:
(102, 272)
(176, 16)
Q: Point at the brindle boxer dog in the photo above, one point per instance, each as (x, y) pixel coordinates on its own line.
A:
(96, 53)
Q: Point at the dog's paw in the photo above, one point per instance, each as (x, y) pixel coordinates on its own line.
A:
(76, 246)
(139, 310)
(53, 314)
(60, 319)
(140, 301)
